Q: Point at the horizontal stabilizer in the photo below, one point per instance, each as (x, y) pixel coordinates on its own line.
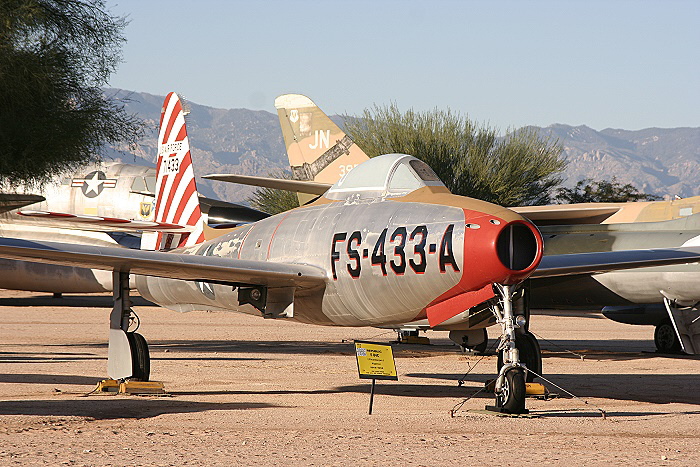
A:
(591, 263)
(586, 213)
(165, 264)
(67, 220)
(12, 201)
(298, 186)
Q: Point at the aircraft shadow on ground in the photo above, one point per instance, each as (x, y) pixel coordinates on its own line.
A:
(290, 348)
(70, 301)
(590, 349)
(8, 357)
(588, 414)
(49, 357)
(168, 349)
(608, 350)
(655, 389)
(386, 388)
(34, 378)
(257, 347)
(642, 388)
(110, 407)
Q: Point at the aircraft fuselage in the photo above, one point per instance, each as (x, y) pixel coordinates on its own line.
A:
(387, 260)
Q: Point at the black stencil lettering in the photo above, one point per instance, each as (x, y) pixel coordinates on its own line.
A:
(446, 254)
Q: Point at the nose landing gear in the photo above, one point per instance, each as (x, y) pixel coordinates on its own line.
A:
(510, 386)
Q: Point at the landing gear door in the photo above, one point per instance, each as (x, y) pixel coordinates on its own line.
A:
(280, 303)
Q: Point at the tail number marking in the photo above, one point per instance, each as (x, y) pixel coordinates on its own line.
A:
(404, 250)
(322, 138)
(170, 165)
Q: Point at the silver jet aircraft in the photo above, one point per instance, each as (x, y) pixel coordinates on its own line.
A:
(665, 297)
(386, 244)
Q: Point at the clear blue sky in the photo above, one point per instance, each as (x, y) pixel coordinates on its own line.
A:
(605, 64)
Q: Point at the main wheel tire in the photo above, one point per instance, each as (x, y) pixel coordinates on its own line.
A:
(511, 399)
(666, 339)
(140, 358)
(530, 355)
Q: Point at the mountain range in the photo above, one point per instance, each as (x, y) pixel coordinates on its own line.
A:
(661, 161)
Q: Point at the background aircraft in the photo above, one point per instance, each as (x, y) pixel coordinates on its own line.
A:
(112, 190)
(387, 244)
(663, 297)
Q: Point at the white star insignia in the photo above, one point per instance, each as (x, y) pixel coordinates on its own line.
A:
(93, 184)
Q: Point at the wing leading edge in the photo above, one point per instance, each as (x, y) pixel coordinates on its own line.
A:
(162, 264)
(591, 263)
(102, 224)
(299, 186)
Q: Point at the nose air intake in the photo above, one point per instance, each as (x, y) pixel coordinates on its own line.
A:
(516, 246)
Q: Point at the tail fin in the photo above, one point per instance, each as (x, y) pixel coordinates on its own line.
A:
(317, 148)
(177, 201)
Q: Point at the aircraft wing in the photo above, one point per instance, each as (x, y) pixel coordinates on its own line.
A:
(162, 264)
(213, 268)
(582, 213)
(102, 224)
(591, 263)
(299, 186)
(12, 201)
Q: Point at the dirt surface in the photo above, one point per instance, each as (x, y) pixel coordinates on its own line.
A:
(247, 391)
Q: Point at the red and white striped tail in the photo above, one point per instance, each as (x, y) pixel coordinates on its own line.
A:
(177, 201)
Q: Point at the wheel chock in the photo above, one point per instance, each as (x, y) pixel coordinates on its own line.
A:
(531, 389)
(141, 387)
(107, 385)
(422, 340)
(535, 390)
(130, 387)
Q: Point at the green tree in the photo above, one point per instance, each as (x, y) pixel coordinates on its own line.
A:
(471, 159)
(55, 55)
(274, 201)
(603, 191)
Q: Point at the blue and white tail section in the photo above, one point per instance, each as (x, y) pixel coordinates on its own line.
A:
(177, 200)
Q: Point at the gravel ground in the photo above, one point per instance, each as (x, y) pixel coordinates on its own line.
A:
(245, 391)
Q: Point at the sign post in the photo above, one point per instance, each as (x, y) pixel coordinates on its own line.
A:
(375, 361)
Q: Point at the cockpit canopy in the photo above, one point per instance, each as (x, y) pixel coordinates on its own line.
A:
(390, 175)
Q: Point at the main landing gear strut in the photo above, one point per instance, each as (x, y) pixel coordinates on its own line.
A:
(510, 385)
(681, 332)
(128, 355)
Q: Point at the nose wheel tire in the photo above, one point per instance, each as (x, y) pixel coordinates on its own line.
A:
(530, 354)
(140, 358)
(511, 398)
(666, 339)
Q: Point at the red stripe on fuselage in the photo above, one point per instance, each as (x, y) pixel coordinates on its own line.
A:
(183, 133)
(183, 240)
(269, 245)
(195, 216)
(173, 188)
(165, 108)
(173, 116)
(159, 199)
(183, 201)
(169, 241)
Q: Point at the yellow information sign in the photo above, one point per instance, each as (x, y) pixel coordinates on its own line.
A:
(375, 361)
